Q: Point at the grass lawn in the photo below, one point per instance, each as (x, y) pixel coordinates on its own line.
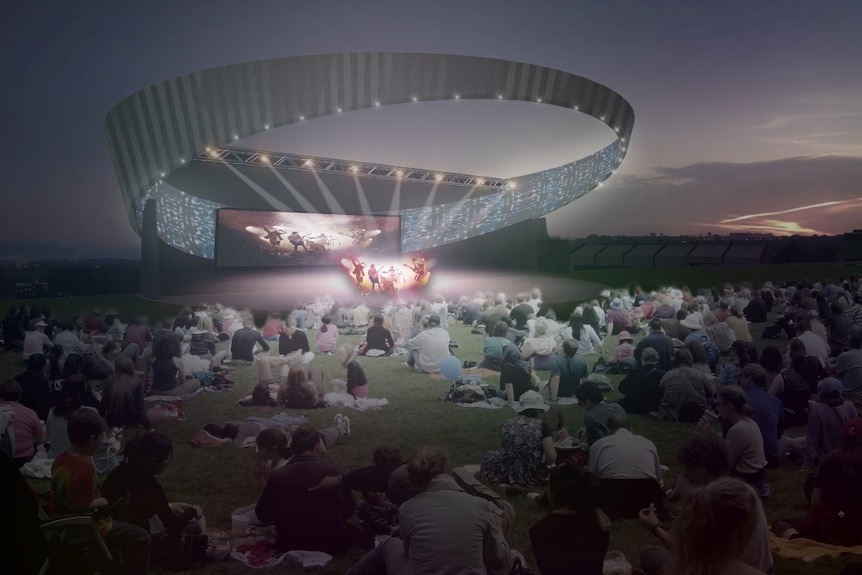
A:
(220, 479)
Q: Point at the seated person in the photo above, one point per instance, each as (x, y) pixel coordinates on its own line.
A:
(516, 377)
(36, 389)
(374, 478)
(169, 374)
(628, 469)
(302, 389)
(567, 371)
(26, 428)
(309, 520)
(704, 459)
(292, 339)
(378, 339)
(835, 515)
(540, 348)
(597, 411)
(685, 390)
(144, 457)
(492, 347)
(327, 336)
(122, 403)
(75, 394)
(356, 384)
(574, 536)
(826, 420)
(527, 447)
(73, 490)
(429, 347)
(624, 352)
(641, 386)
(203, 339)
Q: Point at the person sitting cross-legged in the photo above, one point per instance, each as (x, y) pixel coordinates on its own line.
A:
(574, 536)
(443, 529)
(313, 521)
(641, 386)
(704, 460)
(628, 469)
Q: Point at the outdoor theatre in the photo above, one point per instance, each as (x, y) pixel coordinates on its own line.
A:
(182, 179)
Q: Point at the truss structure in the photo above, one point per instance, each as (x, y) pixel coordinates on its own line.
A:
(247, 157)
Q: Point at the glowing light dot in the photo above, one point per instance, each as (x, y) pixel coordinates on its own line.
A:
(235, 137)
(457, 97)
(266, 126)
(301, 118)
(602, 118)
(208, 149)
(264, 159)
(377, 104)
(339, 110)
(354, 169)
(577, 107)
(438, 177)
(415, 98)
(539, 100)
(182, 160)
(399, 173)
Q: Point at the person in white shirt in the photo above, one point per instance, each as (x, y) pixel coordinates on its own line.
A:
(429, 347)
(35, 340)
(624, 455)
(814, 344)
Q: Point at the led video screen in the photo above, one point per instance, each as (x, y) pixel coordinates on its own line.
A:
(263, 239)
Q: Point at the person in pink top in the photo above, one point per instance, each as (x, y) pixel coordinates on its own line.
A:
(625, 351)
(327, 336)
(273, 327)
(26, 427)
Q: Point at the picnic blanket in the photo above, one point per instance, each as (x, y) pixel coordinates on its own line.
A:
(259, 552)
(174, 398)
(477, 371)
(807, 549)
(358, 403)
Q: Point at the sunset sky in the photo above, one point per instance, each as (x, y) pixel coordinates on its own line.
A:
(748, 115)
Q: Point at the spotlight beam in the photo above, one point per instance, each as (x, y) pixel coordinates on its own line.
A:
(306, 205)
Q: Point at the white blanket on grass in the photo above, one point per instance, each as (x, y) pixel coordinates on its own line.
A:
(358, 403)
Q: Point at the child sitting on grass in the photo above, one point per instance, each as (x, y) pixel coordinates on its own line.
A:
(73, 490)
(378, 515)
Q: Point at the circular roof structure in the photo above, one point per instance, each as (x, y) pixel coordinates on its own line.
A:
(156, 132)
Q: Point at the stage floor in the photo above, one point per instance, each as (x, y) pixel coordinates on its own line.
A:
(284, 289)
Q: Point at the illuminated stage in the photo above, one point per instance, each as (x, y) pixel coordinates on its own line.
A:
(283, 289)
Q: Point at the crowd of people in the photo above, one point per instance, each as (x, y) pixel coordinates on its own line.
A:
(683, 357)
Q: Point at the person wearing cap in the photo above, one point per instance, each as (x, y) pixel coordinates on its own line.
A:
(835, 514)
(625, 351)
(429, 347)
(527, 446)
(694, 322)
(35, 340)
(826, 418)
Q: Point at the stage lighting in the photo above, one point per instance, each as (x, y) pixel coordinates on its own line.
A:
(499, 96)
(480, 182)
(266, 126)
(539, 100)
(415, 98)
(339, 110)
(602, 118)
(235, 137)
(377, 104)
(208, 149)
(577, 108)
(354, 169)
(301, 118)
(457, 97)
(511, 185)
(182, 160)
(438, 177)
(308, 164)
(162, 174)
(264, 159)
(399, 173)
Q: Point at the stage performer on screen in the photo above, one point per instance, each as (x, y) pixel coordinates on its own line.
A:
(358, 272)
(418, 268)
(374, 277)
(274, 237)
(297, 241)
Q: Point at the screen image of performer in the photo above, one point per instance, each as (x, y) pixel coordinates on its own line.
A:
(297, 241)
(374, 277)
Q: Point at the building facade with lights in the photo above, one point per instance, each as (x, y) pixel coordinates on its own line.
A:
(172, 145)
